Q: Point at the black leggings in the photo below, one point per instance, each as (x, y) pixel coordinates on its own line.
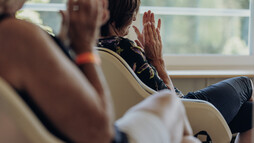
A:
(230, 97)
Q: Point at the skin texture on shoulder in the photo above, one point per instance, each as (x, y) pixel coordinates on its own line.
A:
(14, 35)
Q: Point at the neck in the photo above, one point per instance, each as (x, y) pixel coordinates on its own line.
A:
(113, 32)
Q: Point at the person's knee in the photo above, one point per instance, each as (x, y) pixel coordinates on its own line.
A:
(248, 84)
(246, 80)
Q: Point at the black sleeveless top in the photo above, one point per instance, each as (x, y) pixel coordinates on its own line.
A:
(120, 137)
(3, 16)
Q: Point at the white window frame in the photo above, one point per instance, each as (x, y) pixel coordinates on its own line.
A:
(189, 62)
(222, 62)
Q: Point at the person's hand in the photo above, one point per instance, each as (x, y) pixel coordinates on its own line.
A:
(64, 31)
(147, 17)
(152, 43)
(85, 19)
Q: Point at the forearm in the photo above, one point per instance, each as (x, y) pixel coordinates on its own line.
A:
(161, 69)
(95, 76)
(91, 69)
(93, 73)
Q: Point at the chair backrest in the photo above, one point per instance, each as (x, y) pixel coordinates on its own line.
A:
(127, 90)
(22, 117)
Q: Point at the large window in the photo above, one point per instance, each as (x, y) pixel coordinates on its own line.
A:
(203, 26)
(194, 32)
(205, 33)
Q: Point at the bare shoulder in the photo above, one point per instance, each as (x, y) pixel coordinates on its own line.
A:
(23, 38)
(15, 26)
(19, 32)
(23, 45)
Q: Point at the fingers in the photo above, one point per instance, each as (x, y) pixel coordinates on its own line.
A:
(86, 18)
(159, 24)
(152, 18)
(150, 34)
(136, 30)
(139, 35)
(146, 34)
(149, 16)
(145, 18)
(70, 5)
(155, 35)
(65, 17)
(73, 9)
(105, 4)
(159, 35)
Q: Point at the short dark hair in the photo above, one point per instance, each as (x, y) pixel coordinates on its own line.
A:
(121, 12)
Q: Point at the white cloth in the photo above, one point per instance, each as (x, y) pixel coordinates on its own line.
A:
(143, 127)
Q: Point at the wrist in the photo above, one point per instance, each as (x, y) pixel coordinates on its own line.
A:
(83, 44)
(87, 57)
(158, 62)
(82, 47)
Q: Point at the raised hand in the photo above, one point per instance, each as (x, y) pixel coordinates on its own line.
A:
(153, 47)
(85, 19)
(152, 43)
(147, 17)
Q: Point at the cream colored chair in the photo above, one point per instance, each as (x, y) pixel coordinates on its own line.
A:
(18, 124)
(127, 90)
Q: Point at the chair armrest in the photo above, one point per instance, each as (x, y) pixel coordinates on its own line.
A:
(203, 116)
(13, 106)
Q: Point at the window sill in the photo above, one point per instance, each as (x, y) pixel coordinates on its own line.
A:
(209, 73)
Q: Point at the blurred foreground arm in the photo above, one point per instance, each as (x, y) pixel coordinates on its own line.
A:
(32, 62)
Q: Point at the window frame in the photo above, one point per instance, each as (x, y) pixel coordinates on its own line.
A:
(207, 61)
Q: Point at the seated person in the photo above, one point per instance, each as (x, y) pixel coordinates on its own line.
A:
(68, 94)
(232, 97)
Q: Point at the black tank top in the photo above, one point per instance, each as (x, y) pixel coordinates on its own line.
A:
(3, 16)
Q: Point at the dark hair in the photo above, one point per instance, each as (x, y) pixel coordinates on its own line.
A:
(121, 12)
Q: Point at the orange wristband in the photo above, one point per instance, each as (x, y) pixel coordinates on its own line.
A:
(88, 58)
